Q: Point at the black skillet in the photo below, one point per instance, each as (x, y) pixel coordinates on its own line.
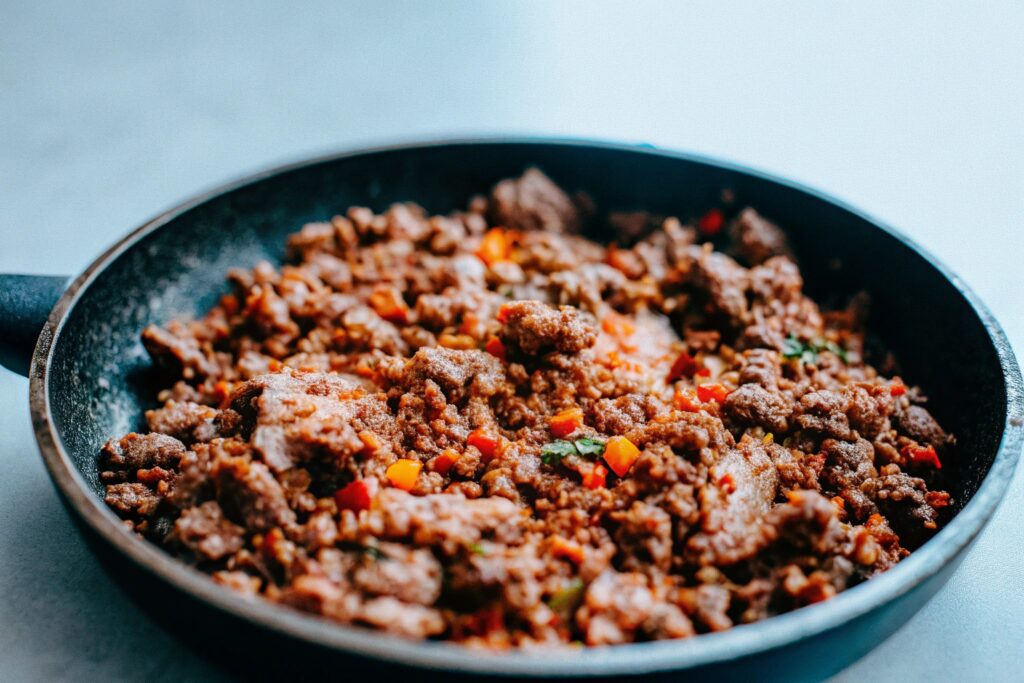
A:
(91, 379)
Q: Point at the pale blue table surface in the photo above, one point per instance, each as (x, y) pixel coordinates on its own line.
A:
(110, 113)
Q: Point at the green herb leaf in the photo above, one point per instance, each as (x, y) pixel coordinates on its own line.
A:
(477, 549)
(567, 599)
(552, 453)
(794, 348)
(808, 351)
(375, 553)
(838, 350)
(590, 446)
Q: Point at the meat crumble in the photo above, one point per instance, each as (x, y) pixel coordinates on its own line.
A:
(483, 427)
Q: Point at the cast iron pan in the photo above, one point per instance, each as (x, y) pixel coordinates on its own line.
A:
(91, 379)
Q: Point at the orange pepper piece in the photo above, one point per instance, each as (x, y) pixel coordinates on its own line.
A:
(566, 422)
(389, 305)
(686, 401)
(560, 547)
(620, 453)
(493, 247)
(618, 325)
(403, 473)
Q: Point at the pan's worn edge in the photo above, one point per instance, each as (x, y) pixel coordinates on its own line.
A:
(628, 659)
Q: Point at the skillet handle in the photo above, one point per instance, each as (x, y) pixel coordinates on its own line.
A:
(25, 304)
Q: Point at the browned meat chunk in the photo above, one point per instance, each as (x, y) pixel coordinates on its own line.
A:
(184, 420)
(753, 404)
(533, 202)
(206, 532)
(179, 353)
(756, 239)
(534, 327)
(740, 493)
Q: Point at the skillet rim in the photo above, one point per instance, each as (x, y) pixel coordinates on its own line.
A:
(635, 658)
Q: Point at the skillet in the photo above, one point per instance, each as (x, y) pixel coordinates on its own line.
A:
(90, 379)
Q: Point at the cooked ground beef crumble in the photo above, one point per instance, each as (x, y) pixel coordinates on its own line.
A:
(485, 428)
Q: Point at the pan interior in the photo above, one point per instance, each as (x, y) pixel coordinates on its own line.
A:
(101, 380)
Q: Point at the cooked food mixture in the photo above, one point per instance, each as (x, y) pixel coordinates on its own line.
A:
(485, 428)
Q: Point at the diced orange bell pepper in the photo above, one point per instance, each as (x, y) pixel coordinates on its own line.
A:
(403, 473)
(357, 495)
(712, 392)
(459, 342)
(388, 304)
(614, 258)
(443, 463)
(222, 393)
(596, 478)
(620, 454)
(618, 325)
(496, 348)
(686, 401)
(561, 547)
(487, 444)
(566, 422)
(493, 247)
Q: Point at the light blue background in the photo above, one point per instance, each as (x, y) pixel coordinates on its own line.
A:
(109, 114)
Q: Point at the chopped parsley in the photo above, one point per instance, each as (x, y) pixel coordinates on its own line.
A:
(807, 352)
(553, 452)
(477, 549)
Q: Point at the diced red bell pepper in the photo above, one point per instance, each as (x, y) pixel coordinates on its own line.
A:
(711, 223)
(922, 455)
(685, 365)
(357, 495)
(487, 444)
(712, 392)
(596, 478)
(496, 348)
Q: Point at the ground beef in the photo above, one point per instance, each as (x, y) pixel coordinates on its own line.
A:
(485, 428)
